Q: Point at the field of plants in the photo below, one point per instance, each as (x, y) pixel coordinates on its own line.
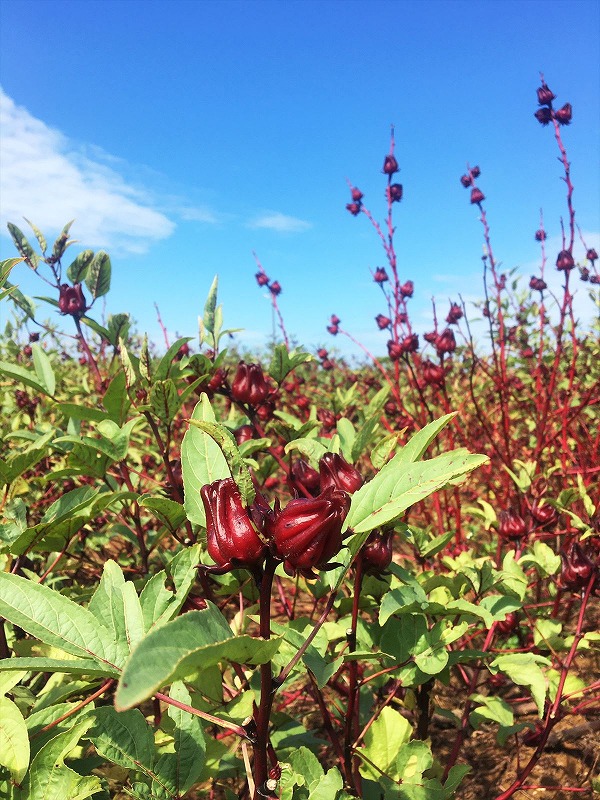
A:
(287, 576)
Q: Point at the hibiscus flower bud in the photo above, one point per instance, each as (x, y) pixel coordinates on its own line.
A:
(244, 433)
(322, 353)
(511, 525)
(326, 418)
(445, 342)
(35, 337)
(327, 364)
(432, 374)
(336, 472)
(275, 288)
(544, 95)
(410, 343)
(475, 172)
(591, 255)
(395, 192)
(71, 300)
(537, 284)
(540, 235)
(543, 514)
(577, 568)
(431, 337)
(382, 321)
(407, 289)
(543, 115)
(353, 208)
(307, 533)
(303, 474)
(380, 275)
(508, 624)
(564, 114)
(249, 384)
(454, 314)
(394, 350)
(477, 196)
(377, 551)
(232, 538)
(466, 180)
(333, 330)
(390, 165)
(335, 320)
(261, 278)
(564, 261)
(357, 195)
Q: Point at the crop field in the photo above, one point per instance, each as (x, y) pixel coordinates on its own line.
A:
(288, 575)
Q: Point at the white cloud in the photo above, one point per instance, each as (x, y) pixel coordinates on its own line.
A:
(282, 223)
(50, 180)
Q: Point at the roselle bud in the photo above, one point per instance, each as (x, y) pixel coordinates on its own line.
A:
(595, 279)
(466, 180)
(410, 343)
(335, 320)
(402, 318)
(508, 624)
(432, 374)
(534, 736)
(357, 195)
(244, 433)
(183, 352)
(382, 321)
(544, 95)
(249, 384)
(35, 337)
(540, 235)
(431, 337)
(333, 330)
(528, 352)
(390, 165)
(591, 255)
(336, 472)
(543, 115)
(380, 275)
(302, 473)
(216, 381)
(407, 289)
(564, 261)
(477, 196)
(327, 364)
(71, 300)
(454, 314)
(275, 288)
(445, 342)
(27, 351)
(326, 418)
(394, 350)
(543, 514)
(475, 172)
(511, 525)
(306, 533)
(232, 538)
(261, 278)
(577, 568)
(537, 284)
(377, 551)
(564, 114)
(353, 208)
(395, 192)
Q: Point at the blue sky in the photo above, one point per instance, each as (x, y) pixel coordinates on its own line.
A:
(183, 135)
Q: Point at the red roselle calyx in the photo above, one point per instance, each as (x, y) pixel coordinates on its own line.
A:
(511, 525)
(262, 278)
(537, 284)
(591, 255)
(466, 180)
(543, 115)
(543, 514)
(335, 472)
(477, 196)
(454, 314)
(377, 551)
(306, 533)
(232, 538)
(395, 350)
(410, 343)
(395, 192)
(71, 300)
(383, 322)
(540, 235)
(563, 115)
(577, 568)
(302, 473)
(380, 275)
(249, 384)
(508, 624)
(564, 261)
(445, 342)
(545, 95)
(353, 208)
(432, 374)
(407, 289)
(390, 165)
(357, 195)
(275, 288)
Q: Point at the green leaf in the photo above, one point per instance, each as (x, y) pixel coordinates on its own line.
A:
(491, 709)
(68, 666)
(115, 605)
(54, 619)
(364, 437)
(118, 327)
(14, 740)
(347, 434)
(159, 603)
(26, 251)
(543, 558)
(130, 374)
(77, 269)
(209, 307)
(414, 758)
(383, 742)
(420, 441)
(38, 235)
(22, 375)
(197, 639)
(524, 669)
(282, 362)
(181, 769)
(43, 368)
(166, 362)
(62, 242)
(124, 738)
(164, 400)
(202, 462)
(312, 449)
(97, 278)
(226, 441)
(50, 779)
(400, 484)
(169, 512)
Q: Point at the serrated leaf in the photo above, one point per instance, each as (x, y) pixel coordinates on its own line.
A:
(202, 462)
(210, 305)
(164, 400)
(54, 619)
(159, 603)
(43, 368)
(116, 606)
(77, 269)
(181, 769)
(383, 742)
(166, 362)
(26, 251)
(22, 375)
(38, 235)
(524, 669)
(124, 738)
(312, 449)
(226, 441)
(68, 666)
(176, 649)
(62, 242)
(283, 362)
(97, 278)
(117, 327)
(144, 362)
(169, 512)
(130, 376)
(14, 740)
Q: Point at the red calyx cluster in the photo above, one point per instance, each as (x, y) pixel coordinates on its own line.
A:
(445, 342)
(577, 568)
(71, 300)
(333, 327)
(511, 525)
(565, 261)
(432, 374)
(454, 314)
(546, 113)
(326, 362)
(263, 280)
(249, 384)
(468, 179)
(537, 284)
(380, 275)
